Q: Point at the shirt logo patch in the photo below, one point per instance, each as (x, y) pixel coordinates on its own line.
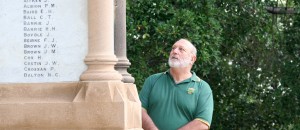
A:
(190, 90)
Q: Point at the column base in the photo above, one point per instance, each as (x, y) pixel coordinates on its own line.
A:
(101, 76)
(121, 67)
(101, 68)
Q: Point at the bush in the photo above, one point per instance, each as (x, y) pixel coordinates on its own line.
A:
(250, 59)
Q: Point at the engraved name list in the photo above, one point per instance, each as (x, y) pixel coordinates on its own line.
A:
(40, 45)
(42, 40)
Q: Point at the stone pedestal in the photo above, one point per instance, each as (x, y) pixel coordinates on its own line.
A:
(70, 106)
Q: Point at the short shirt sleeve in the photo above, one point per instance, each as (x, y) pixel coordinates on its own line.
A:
(204, 110)
(144, 93)
(146, 90)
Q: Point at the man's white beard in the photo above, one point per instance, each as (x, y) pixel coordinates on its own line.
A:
(176, 63)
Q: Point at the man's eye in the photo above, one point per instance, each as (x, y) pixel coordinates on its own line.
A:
(181, 49)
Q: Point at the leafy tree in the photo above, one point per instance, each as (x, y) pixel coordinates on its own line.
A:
(251, 58)
(154, 25)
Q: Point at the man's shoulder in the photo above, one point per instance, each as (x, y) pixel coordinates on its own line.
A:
(152, 79)
(153, 76)
(199, 80)
(203, 85)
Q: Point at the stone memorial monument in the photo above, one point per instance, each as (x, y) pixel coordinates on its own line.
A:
(63, 66)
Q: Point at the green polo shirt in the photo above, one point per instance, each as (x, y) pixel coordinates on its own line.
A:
(172, 105)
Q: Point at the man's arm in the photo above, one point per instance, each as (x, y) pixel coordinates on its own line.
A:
(147, 122)
(195, 125)
(204, 110)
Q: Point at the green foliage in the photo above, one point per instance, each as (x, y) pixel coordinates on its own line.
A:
(154, 25)
(250, 58)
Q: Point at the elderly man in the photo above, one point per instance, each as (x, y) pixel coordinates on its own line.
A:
(178, 98)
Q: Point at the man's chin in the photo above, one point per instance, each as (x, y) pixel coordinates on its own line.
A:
(175, 64)
(178, 66)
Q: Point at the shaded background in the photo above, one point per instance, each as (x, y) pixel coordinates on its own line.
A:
(250, 57)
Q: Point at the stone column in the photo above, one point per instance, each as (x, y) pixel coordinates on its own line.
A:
(120, 41)
(100, 58)
(99, 101)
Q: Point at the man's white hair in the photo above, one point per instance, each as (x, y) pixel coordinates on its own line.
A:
(191, 46)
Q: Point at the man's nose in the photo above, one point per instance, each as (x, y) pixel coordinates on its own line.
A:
(175, 50)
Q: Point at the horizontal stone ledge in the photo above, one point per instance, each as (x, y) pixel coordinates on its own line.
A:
(38, 92)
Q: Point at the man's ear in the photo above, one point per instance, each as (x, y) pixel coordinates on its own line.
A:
(193, 59)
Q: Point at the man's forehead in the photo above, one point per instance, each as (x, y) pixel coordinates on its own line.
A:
(181, 43)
